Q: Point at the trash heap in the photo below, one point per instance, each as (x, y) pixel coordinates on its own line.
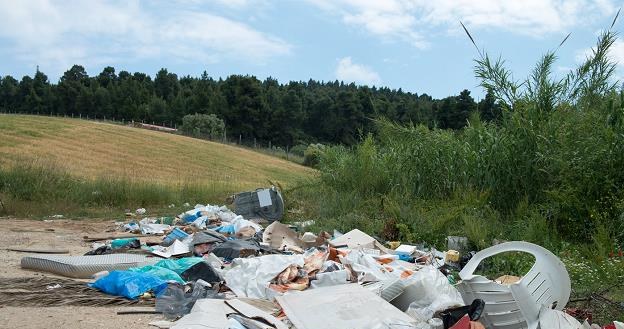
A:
(211, 268)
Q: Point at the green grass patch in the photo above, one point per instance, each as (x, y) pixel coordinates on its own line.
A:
(39, 190)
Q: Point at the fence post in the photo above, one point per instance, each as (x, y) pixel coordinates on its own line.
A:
(254, 142)
(240, 138)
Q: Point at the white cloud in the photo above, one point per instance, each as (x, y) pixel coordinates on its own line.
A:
(352, 72)
(234, 4)
(61, 33)
(414, 20)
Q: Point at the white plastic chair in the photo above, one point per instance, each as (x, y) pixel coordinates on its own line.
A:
(517, 305)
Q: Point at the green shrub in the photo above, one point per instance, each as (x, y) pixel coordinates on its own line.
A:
(298, 149)
(312, 155)
(203, 125)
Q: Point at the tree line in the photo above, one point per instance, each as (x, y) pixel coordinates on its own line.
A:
(286, 114)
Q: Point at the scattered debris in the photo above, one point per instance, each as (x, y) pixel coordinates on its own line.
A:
(210, 267)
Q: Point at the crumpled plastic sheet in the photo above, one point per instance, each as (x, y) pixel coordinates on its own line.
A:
(430, 292)
(160, 272)
(366, 267)
(239, 222)
(200, 222)
(179, 265)
(250, 277)
(554, 319)
(222, 212)
(149, 227)
(330, 279)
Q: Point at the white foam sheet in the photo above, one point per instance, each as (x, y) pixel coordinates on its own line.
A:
(205, 314)
(250, 277)
(342, 306)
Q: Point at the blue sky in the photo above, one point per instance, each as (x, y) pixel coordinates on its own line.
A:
(416, 45)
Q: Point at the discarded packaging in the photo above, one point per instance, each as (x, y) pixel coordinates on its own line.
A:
(176, 301)
(176, 249)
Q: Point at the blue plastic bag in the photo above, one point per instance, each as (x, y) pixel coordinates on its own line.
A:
(129, 284)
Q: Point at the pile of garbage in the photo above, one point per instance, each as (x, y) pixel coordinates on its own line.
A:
(212, 268)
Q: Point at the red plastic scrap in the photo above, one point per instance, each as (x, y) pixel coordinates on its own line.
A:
(465, 323)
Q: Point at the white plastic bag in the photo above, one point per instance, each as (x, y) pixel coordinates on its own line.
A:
(554, 319)
(250, 277)
(428, 291)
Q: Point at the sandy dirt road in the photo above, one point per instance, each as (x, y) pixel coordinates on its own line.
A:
(57, 234)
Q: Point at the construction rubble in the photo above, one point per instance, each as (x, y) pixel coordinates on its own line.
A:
(210, 267)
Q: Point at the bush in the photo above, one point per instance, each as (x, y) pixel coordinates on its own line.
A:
(312, 155)
(298, 149)
(203, 125)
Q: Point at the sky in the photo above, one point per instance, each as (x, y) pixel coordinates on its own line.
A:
(416, 45)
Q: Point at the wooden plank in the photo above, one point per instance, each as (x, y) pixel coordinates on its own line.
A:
(40, 251)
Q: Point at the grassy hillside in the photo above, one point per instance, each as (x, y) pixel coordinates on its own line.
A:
(73, 157)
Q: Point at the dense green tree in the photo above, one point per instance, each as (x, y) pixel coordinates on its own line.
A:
(166, 85)
(9, 88)
(489, 110)
(71, 87)
(263, 111)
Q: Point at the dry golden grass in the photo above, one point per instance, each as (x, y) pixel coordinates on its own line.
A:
(92, 149)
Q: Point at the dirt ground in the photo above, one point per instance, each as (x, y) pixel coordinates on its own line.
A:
(57, 234)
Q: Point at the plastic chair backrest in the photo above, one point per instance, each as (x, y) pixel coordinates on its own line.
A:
(517, 305)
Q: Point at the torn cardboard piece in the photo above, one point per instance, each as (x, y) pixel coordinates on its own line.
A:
(278, 235)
